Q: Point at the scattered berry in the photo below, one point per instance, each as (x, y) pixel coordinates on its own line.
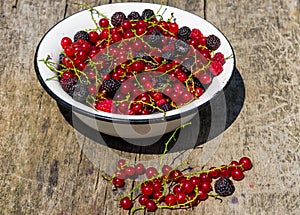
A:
(147, 14)
(117, 19)
(224, 187)
(184, 33)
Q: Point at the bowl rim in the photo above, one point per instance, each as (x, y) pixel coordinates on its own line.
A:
(130, 119)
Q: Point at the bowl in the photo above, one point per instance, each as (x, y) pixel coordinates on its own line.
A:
(120, 125)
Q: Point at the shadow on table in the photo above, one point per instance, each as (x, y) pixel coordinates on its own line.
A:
(213, 119)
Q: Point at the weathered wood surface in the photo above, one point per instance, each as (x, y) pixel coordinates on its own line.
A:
(48, 168)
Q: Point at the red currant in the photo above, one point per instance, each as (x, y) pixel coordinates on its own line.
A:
(126, 203)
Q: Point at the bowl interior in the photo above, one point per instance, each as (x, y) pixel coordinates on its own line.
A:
(50, 46)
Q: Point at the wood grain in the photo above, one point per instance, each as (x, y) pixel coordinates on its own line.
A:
(46, 167)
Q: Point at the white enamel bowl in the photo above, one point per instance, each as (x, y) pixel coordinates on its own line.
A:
(126, 126)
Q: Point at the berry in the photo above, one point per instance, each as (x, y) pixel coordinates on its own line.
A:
(224, 187)
(103, 23)
(237, 174)
(181, 197)
(215, 68)
(151, 205)
(219, 57)
(134, 16)
(183, 33)
(81, 35)
(181, 47)
(126, 203)
(139, 169)
(117, 19)
(105, 105)
(143, 199)
(202, 195)
(65, 41)
(147, 188)
(213, 42)
(246, 163)
(118, 182)
(151, 172)
(170, 199)
(166, 169)
(111, 86)
(147, 14)
(154, 39)
(68, 85)
(80, 92)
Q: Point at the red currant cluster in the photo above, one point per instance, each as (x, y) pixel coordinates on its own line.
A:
(173, 188)
(138, 64)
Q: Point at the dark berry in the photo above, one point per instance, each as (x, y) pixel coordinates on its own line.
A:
(81, 35)
(111, 86)
(117, 19)
(183, 33)
(68, 85)
(155, 39)
(224, 187)
(147, 14)
(168, 55)
(213, 42)
(134, 16)
(181, 47)
(166, 107)
(80, 92)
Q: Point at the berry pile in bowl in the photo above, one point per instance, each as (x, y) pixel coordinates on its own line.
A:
(134, 73)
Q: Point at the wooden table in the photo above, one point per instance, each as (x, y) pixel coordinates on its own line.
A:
(46, 167)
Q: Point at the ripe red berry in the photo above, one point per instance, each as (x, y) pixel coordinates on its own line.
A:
(224, 172)
(170, 199)
(143, 199)
(139, 169)
(118, 182)
(214, 172)
(151, 172)
(205, 78)
(158, 195)
(181, 197)
(126, 203)
(129, 170)
(204, 177)
(196, 181)
(166, 169)
(246, 163)
(205, 186)
(65, 41)
(237, 174)
(175, 175)
(147, 188)
(202, 195)
(215, 68)
(151, 205)
(187, 186)
(103, 23)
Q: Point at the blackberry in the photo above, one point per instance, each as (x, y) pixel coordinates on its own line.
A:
(168, 55)
(213, 42)
(80, 92)
(111, 86)
(148, 13)
(155, 39)
(184, 33)
(134, 16)
(224, 187)
(68, 85)
(181, 47)
(189, 64)
(117, 19)
(81, 35)
(166, 107)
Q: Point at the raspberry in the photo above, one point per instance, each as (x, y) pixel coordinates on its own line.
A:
(196, 33)
(81, 35)
(184, 33)
(224, 187)
(68, 85)
(80, 92)
(155, 39)
(213, 42)
(111, 86)
(181, 47)
(219, 57)
(215, 68)
(134, 16)
(117, 19)
(106, 105)
(147, 14)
